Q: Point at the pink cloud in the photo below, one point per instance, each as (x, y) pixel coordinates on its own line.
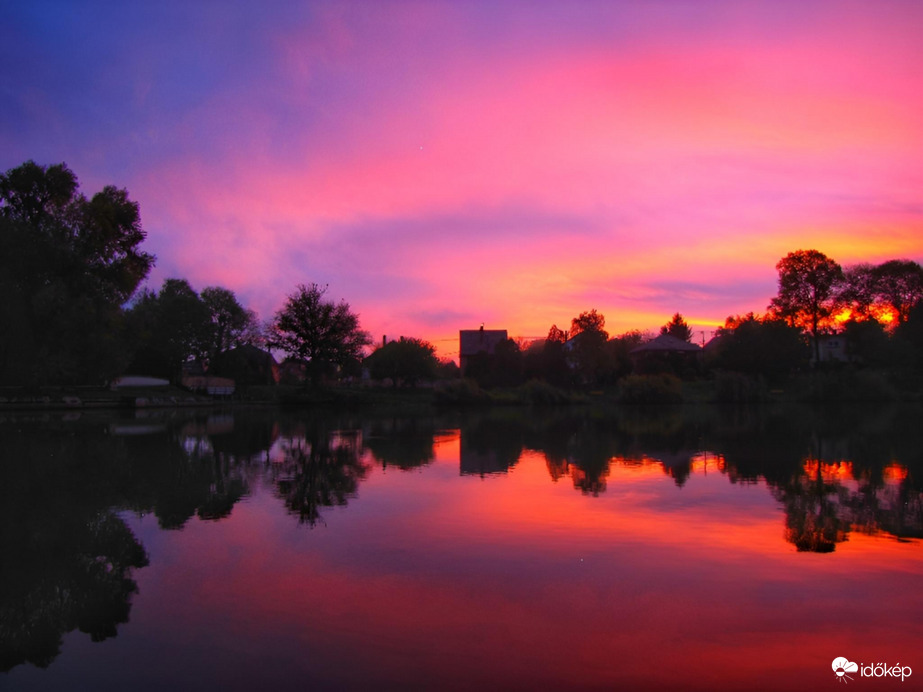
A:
(662, 157)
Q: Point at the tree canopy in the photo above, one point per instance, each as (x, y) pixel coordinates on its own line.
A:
(67, 265)
(591, 321)
(677, 328)
(406, 361)
(898, 286)
(320, 332)
(808, 297)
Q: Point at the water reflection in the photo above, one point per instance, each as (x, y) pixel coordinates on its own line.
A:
(67, 557)
(318, 468)
(70, 558)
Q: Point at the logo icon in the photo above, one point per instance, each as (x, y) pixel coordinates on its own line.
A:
(842, 666)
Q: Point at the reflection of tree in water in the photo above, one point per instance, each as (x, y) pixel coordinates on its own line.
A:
(584, 447)
(177, 475)
(67, 557)
(812, 511)
(79, 577)
(895, 507)
(406, 443)
(589, 453)
(829, 499)
(490, 443)
(320, 468)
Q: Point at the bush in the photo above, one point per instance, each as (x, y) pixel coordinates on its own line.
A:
(734, 387)
(542, 393)
(838, 387)
(651, 389)
(464, 391)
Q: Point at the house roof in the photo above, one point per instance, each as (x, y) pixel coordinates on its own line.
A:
(254, 354)
(667, 343)
(473, 341)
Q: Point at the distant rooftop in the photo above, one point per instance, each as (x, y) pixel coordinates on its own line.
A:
(474, 341)
(666, 342)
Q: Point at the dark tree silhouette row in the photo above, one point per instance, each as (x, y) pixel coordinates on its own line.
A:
(71, 268)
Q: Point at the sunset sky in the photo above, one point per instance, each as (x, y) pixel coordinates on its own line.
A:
(446, 164)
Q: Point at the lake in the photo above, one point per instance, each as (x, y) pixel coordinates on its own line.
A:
(690, 547)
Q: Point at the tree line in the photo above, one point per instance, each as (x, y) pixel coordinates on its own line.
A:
(74, 311)
(71, 270)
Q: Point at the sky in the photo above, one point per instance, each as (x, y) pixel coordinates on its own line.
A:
(441, 165)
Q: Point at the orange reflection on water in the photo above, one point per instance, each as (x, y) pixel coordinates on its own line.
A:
(829, 471)
(894, 473)
(704, 462)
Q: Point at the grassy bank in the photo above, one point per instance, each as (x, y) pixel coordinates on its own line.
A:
(823, 388)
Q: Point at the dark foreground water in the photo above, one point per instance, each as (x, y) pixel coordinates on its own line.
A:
(656, 549)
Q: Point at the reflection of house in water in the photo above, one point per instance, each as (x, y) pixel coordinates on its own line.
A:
(480, 462)
(472, 342)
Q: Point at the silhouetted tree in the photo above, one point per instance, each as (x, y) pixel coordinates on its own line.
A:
(557, 335)
(867, 341)
(588, 347)
(170, 328)
(406, 361)
(898, 286)
(67, 264)
(755, 346)
(590, 321)
(321, 333)
(232, 324)
(677, 328)
(908, 338)
(619, 348)
(857, 291)
(809, 283)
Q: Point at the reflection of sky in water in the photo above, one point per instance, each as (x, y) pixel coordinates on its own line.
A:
(677, 572)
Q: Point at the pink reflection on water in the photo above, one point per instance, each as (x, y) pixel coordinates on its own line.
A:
(511, 581)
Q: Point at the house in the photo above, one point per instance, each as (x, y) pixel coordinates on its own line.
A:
(832, 347)
(247, 365)
(472, 342)
(665, 353)
(208, 384)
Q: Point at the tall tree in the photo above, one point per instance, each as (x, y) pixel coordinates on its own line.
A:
(170, 327)
(232, 324)
(857, 291)
(588, 353)
(67, 265)
(808, 298)
(756, 346)
(677, 328)
(322, 333)
(898, 287)
(591, 321)
(405, 361)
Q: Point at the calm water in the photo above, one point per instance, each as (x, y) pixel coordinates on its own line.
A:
(688, 548)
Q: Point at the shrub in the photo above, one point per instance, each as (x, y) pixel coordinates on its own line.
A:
(542, 393)
(734, 387)
(651, 389)
(464, 391)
